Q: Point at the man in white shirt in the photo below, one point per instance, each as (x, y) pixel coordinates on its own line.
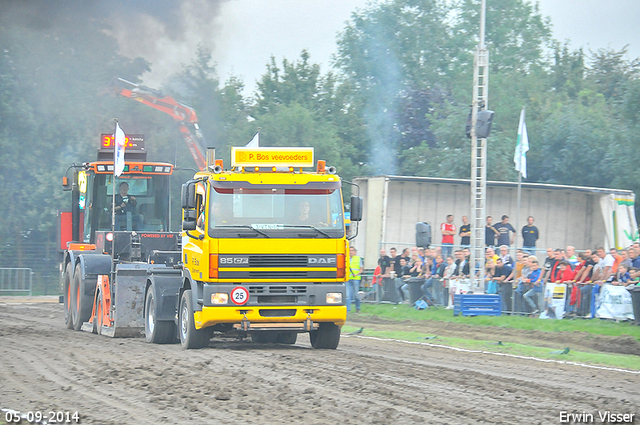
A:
(448, 274)
(605, 264)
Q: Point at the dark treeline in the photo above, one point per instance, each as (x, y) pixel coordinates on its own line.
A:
(395, 102)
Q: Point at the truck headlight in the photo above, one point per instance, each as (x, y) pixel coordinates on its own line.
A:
(219, 298)
(334, 297)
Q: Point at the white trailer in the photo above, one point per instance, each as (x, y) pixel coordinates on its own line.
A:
(584, 217)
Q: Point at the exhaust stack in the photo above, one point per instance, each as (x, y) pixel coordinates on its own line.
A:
(211, 157)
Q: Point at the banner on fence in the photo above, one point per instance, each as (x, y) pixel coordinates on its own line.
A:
(555, 295)
(459, 286)
(614, 303)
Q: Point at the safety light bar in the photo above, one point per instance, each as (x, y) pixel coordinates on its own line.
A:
(133, 168)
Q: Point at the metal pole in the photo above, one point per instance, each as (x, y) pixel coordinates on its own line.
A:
(478, 158)
(513, 297)
(483, 13)
(519, 185)
(113, 195)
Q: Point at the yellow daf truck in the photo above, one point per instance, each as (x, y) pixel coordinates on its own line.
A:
(264, 250)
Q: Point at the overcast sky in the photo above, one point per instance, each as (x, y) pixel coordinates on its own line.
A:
(249, 32)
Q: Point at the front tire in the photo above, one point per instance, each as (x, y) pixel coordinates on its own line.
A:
(156, 332)
(190, 337)
(327, 336)
(81, 304)
(66, 290)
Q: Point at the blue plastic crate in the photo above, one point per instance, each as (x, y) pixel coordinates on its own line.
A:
(476, 305)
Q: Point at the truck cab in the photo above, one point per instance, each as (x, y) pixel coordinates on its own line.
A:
(99, 243)
(264, 249)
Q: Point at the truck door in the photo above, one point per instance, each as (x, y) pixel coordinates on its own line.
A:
(195, 247)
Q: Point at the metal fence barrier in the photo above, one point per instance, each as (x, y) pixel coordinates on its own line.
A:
(16, 280)
(395, 290)
(512, 298)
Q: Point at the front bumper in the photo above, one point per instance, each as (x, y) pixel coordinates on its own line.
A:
(285, 317)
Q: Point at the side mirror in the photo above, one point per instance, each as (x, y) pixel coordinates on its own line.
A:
(189, 225)
(423, 235)
(189, 222)
(356, 208)
(67, 183)
(188, 195)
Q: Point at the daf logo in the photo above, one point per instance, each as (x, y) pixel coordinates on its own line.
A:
(322, 260)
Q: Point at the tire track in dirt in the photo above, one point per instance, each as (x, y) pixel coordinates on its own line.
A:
(521, 383)
(124, 381)
(67, 385)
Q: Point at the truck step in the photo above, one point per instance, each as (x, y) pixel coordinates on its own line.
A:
(122, 332)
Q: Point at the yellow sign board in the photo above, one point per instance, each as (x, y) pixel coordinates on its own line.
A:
(271, 157)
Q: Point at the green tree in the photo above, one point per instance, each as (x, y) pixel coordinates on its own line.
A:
(298, 106)
(610, 71)
(410, 63)
(516, 32)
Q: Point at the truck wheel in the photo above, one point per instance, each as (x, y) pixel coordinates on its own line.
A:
(157, 332)
(326, 336)
(287, 338)
(66, 290)
(190, 337)
(81, 304)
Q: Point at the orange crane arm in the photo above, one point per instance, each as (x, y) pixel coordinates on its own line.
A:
(182, 113)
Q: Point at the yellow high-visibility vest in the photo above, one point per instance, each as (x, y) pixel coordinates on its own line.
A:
(354, 268)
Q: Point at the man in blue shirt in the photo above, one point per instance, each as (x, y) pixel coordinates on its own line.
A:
(490, 233)
(537, 288)
(529, 237)
(504, 286)
(503, 229)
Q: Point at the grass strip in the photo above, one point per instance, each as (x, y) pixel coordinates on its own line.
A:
(622, 361)
(403, 312)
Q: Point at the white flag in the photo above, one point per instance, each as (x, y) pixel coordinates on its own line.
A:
(119, 151)
(255, 142)
(522, 146)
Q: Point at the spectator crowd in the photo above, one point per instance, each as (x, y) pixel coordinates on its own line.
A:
(439, 271)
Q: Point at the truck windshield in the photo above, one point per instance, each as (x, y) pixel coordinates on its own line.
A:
(275, 212)
(146, 200)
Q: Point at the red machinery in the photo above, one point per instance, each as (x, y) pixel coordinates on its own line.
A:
(184, 114)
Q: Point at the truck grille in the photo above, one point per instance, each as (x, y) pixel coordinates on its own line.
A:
(276, 290)
(278, 261)
(277, 299)
(278, 274)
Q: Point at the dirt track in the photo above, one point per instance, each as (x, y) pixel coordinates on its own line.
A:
(127, 381)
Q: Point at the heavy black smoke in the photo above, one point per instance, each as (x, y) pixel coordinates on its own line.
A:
(164, 32)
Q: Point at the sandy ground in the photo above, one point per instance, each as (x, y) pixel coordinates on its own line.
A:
(45, 367)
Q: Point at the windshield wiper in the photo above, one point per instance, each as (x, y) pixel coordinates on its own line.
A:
(305, 226)
(244, 226)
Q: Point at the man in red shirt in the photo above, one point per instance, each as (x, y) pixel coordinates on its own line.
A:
(564, 274)
(448, 230)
